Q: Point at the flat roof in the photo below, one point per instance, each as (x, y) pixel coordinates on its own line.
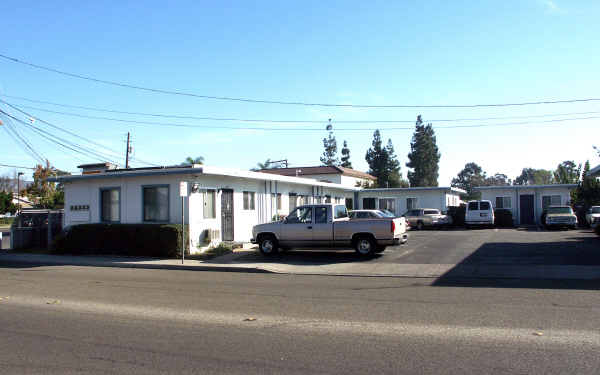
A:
(416, 188)
(498, 187)
(323, 169)
(198, 170)
(594, 171)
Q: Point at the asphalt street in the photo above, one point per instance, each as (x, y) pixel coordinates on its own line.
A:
(459, 246)
(70, 320)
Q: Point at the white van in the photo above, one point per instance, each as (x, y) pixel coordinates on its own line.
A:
(479, 213)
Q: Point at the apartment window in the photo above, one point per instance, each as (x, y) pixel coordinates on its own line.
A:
(349, 203)
(387, 204)
(503, 202)
(292, 201)
(155, 203)
(328, 199)
(110, 205)
(209, 211)
(276, 201)
(368, 203)
(248, 200)
(411, 203)
(550, 200)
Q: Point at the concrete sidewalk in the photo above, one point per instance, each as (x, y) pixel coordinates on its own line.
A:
(230, 263)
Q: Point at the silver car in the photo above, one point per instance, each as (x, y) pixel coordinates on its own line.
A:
(420, 218)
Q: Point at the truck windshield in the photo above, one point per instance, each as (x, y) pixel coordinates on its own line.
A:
(560, 210)
(596, 210)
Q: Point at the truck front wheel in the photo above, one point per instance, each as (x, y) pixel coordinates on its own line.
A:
(365, 246)
(268, 245)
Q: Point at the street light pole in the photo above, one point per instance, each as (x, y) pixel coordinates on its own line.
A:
(19, 191)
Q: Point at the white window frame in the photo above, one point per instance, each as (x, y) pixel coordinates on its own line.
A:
(552, 202)
(504, 197)
(387, 199)
(412, 207)
(249, 200)
(205, 196)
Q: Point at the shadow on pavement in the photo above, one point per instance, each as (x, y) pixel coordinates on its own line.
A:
(571, 263)
(305, 257)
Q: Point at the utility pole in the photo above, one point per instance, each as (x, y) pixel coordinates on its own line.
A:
(127, 151)
(19, 192)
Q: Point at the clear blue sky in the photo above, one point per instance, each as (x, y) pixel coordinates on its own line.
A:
(376, 52)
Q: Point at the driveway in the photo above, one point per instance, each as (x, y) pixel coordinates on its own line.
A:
(455, 253)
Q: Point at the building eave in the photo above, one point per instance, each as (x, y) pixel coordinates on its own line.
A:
(499, 187)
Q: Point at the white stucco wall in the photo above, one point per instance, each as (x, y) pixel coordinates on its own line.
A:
(538, 193)
(440, 199)
(87, 192)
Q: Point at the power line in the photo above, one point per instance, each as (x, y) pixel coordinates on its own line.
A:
(74, 135)
(25, 146)
(234, 119)
(196, 126)
(280, 102)
(15, 166)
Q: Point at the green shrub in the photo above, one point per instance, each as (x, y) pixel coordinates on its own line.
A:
(155, 240)
(597, 229)
(503, 218)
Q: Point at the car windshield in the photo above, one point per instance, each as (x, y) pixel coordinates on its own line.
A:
(432, 212)
(596, 210)
(560, 210)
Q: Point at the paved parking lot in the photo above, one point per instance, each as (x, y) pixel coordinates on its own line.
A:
(474, 247)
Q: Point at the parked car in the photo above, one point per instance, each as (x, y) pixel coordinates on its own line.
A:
(559, 216)
(592, 216)
(479, 213)
(368, 214)
(426, 217)
(328, 226)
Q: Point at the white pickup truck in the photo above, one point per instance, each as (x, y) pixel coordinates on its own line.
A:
(328, 226)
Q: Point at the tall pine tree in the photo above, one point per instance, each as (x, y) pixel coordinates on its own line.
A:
(330, 153)
(383, 163)
(346, 156)
(394, 175)
(424, 156)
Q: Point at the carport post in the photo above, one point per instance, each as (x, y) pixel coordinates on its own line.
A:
(49, 234)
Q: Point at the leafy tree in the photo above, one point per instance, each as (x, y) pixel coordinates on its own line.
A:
(6, 203)
(471, 176)
(587, 192)
(49, 194)
(567, 172)
(330, 153)
(346, 156)
(190, 161)
(499, 179)
(532, 176)
(424, 156)
(394, 176)
(377, 158)
(383, 163)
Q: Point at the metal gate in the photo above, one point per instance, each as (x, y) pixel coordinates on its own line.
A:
(526, 210)
(227, 214)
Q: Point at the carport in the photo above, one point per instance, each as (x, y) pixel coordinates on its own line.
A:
(527, 202)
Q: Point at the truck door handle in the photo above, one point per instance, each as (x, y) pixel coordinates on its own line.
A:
(309, 227)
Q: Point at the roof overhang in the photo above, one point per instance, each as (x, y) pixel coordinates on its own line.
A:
(428, 188)
(505, 187)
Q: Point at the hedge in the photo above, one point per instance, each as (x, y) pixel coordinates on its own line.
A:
(503, 218)
(154, 240)
(597, 229)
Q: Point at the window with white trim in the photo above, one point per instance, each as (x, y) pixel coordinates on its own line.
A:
(249, 200)
(155, 203)
(387, 204)
(411, 203)
(550, 200)
(209, 211)
(110, 204)
(504, 202)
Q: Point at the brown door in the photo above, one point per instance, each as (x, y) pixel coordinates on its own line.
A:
(227, 214)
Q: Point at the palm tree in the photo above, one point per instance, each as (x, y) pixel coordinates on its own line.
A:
(265, 165)
(189, 160)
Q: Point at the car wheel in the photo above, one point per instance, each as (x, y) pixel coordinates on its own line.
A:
(420, 225)
(268, 245)
(365, 246)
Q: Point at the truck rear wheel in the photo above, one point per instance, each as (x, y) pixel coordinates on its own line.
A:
(365, 246)
(268, 245)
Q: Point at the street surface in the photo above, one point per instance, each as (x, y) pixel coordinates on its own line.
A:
(75, 320)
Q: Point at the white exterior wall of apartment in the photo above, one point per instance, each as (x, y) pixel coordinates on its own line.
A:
(87, 193)
(333, 178)
(439, 199)
(538, 193)
(351, 181)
